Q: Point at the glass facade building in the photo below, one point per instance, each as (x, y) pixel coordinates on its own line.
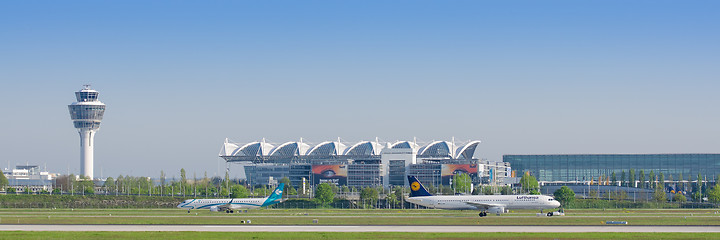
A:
(299, 172)
(260, 174)
(591, 166)
(364, 175)
(397, 173)
(427, 174)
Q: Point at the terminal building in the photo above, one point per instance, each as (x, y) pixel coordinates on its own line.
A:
(29, 177)
(365, 163)
(585, 168)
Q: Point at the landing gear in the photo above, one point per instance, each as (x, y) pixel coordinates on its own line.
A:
(227, 211)
(231, 211)
(482, 214)
(549, 214)
(188, 210)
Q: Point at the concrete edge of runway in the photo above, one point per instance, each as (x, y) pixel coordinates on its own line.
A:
(356, 228)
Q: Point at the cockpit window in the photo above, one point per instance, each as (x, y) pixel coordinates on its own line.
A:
(550, 199)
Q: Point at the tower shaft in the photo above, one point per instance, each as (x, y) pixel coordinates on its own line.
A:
(87, 139)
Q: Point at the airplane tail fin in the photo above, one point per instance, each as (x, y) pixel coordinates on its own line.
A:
(416, 188)
(276, 196)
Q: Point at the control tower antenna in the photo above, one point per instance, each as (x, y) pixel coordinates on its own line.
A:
(86, 114)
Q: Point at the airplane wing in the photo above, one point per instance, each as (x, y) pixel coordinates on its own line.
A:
(485, 206)
(227, 206)
(223, 207)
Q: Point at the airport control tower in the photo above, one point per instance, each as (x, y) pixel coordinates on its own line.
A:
(87, 113)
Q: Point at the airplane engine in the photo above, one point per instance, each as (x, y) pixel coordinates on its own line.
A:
(496, 210)
(214, 209)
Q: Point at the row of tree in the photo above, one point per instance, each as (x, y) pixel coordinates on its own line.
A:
(129, 185)
(326, 193)
(640, 179)
(565, 195)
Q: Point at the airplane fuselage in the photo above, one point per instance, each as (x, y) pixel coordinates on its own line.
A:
(222, 203)
(475, 202)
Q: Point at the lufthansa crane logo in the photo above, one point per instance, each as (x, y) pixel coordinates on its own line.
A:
(415, 186)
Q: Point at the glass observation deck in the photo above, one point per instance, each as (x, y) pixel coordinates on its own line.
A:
(87, 112)
(86, 95)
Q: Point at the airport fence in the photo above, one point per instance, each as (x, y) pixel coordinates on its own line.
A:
(87, 201)
(344, 204)
(139, 201)
(600, 203)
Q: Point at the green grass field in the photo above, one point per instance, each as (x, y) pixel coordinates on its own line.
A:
(373, 235)
(352, 217)
(356, 217)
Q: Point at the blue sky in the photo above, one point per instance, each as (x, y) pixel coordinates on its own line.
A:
(524, 77)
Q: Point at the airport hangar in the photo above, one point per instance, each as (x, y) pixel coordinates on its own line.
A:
(365, 163)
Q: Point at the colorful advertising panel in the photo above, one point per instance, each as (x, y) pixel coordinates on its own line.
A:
(332, 174)
(449, 170)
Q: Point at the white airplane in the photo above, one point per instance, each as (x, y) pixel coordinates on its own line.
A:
(230, 204)
(485, 203)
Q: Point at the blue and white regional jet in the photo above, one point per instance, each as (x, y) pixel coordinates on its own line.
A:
(229, 204)
(485, 203)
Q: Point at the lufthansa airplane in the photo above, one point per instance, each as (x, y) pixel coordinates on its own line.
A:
(229, 204)
(485, 203)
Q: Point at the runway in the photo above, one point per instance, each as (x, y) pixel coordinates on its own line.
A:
(320, 228)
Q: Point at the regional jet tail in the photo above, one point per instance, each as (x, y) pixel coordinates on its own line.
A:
(229, 204)
(485, 203)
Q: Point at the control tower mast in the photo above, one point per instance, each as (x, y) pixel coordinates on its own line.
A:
(86, 114)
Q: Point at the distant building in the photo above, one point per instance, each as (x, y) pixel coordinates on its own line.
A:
(365, 163)
(29, 176)
(601, 191)
(598, 168)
